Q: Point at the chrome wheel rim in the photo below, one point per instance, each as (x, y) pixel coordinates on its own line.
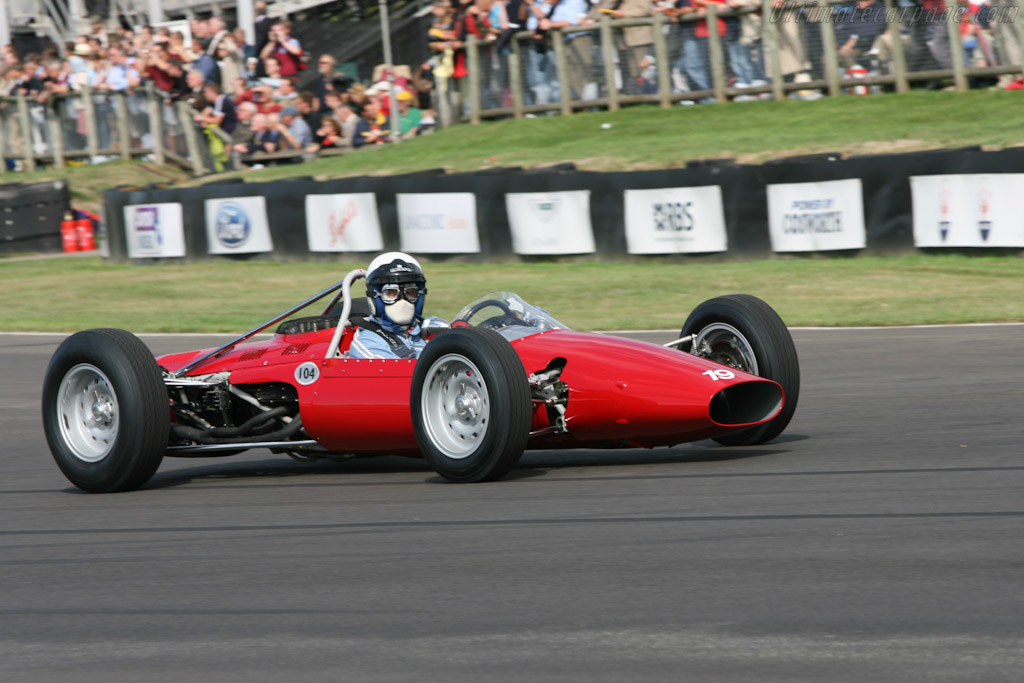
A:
(455, 406)
(725, 344)
(87, 411)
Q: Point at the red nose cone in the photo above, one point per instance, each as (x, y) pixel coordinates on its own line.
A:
(630, 391)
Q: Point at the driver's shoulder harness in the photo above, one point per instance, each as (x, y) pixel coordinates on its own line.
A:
(392, 339)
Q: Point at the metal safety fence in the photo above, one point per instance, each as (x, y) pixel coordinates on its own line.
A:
(95, 126)
(761, 49)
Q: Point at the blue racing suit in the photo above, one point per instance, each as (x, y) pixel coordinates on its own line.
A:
(376, 340)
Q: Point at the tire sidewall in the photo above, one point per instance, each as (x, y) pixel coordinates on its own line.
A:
(495, 453)
(132, 452)
(742, 312)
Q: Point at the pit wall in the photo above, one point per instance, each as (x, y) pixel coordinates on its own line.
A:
(874, 204)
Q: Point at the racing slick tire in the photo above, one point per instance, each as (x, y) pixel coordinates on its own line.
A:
(745, 333)
(105, 411)
(471, 405)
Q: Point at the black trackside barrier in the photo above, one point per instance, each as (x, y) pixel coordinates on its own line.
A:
(885, 180)
(30, 216)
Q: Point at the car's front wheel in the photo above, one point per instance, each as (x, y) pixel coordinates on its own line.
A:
(743, 332)
(471, 406)
(105, 411)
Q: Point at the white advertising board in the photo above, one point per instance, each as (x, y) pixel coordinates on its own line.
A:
(237, 225)
(675, 220)
(343, 222)
(823, 216)
(550, 222)
(438, 223)
(154, 230)
(968, 210)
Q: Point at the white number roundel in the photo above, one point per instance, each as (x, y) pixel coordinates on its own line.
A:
(307, 373)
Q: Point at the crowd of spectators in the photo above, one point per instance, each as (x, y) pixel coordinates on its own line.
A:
(245, 99)
(988, 38)
(272, 98)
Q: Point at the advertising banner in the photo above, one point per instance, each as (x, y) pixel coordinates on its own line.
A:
(550, 222)
(968, 210)
(237, 225)
(154, 230)
(438, 223)
(823, 216)
(343, 222)
(675, 220)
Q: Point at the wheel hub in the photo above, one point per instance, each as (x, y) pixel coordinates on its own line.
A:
(87, 411)
(455, 406)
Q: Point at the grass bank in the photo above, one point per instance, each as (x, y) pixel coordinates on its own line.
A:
(72, 294)
(643, 138)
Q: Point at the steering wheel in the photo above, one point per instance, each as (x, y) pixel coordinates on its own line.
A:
(507, 317)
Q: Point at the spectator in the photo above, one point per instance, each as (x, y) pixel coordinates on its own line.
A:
(220, 110)
(263, 96)
(205, 64)
(285, 93)
(409, 117)
(178, 50)
(194, 81)
(308, 110)
(635, 42)
(327, 135)
(541, 74)
(744, 44)
(232, 66)
(857, 33)
(217, 32)
(261, 28)
(370, 130)
(272, 67)
(294, 130)
(264, 138)
(348, 120)
(243, 131)
(121, 75)
(242, 91)
(327, 81)
(286, 49)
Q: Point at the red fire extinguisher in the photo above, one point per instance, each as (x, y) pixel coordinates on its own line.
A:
(85, 235)
(858, 71)
(69, 233)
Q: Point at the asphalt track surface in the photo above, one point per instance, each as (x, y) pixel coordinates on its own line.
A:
(879, 539)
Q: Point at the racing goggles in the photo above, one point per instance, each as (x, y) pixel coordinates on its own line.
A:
(411, 292)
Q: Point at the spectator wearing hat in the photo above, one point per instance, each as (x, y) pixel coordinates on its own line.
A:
(409, 117)
(294, 131)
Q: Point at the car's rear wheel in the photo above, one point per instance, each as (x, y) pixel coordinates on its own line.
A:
(105, 411)
(471, 406)
(743, 332)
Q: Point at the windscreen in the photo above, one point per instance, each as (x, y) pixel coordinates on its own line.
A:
(509, 314)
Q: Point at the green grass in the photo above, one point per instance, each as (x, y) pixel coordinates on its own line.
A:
(73, 294)
(648, 138)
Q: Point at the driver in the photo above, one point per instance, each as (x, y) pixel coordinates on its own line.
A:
(395, 290)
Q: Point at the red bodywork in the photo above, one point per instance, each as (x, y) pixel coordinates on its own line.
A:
(621, 392)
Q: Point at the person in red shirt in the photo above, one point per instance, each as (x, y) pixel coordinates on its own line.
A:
(286, 49)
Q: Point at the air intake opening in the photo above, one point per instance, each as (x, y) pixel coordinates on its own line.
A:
(746, 403)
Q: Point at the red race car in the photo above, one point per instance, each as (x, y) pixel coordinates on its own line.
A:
(504, 377)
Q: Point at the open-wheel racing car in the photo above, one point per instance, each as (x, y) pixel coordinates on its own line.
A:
(504, 377)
